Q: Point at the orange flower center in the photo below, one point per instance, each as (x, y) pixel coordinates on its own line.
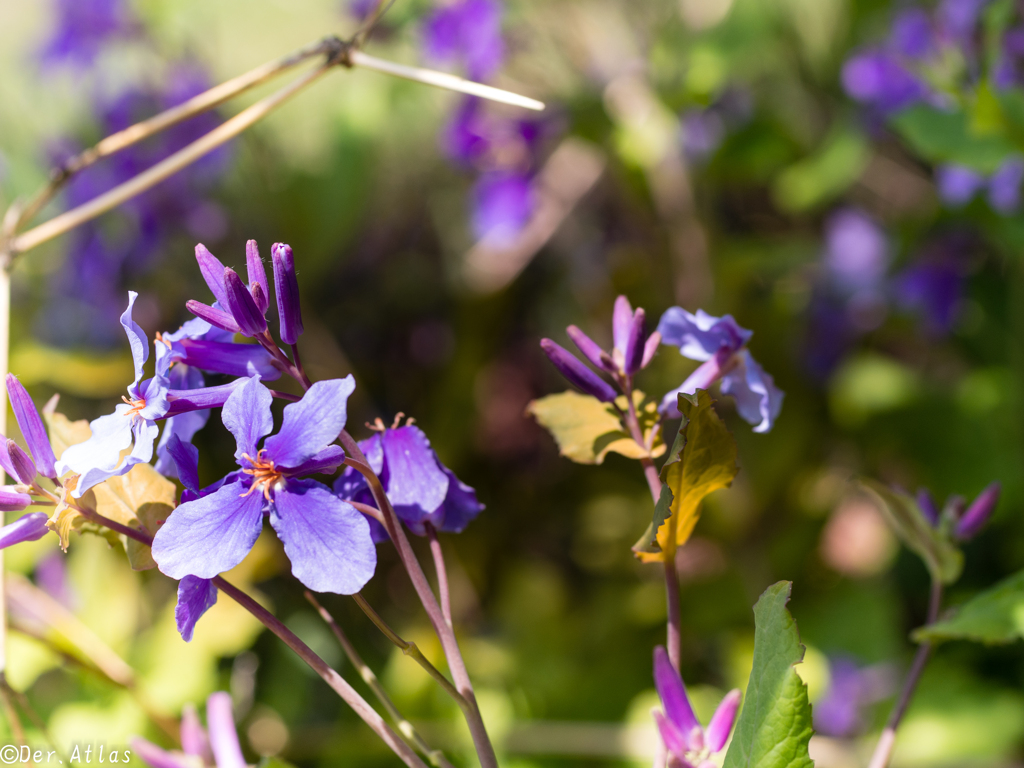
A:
(136, 405)
(263, 473)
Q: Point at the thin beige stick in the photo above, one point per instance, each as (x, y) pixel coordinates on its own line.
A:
(203, 102)
(167, 167)
(443, 80)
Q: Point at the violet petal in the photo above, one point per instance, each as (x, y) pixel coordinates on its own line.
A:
(31, 427)
(286, 286)
(311, 424)
(241, 305)
(195, 597)
(576, 372)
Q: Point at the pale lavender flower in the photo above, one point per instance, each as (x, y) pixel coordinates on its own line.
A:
(852, 688)
(217, 747)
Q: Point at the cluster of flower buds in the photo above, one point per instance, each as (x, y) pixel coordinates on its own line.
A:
(242, 308)
(633, 350)
(964, 521)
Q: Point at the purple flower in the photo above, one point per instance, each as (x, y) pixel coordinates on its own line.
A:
(877, 78)
(502, 205)
(327, 540)
(421, 489)
(912, 34)
(217, 747)
(957, 184)
(466, 32)
(933, 287)
(239, 308)
(83, 27)
(856, 251)
(1004, 186)
(703, 133)
(30, 527)
(681, 732)
(286, 286)
(133, 423)
(840, 712)
(720, 344)
(957, 19)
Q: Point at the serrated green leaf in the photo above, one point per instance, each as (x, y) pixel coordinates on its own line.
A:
(995, 617)
(703, 460)
(948, 137)
(774, 727)
(944, 560)
(587, 430)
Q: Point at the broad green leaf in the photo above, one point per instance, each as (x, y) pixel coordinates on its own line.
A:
(774, 727)
(587, 430)
(943, 559)
(703, 460)
(948, 137)
(142, 498)
(995, 616)
(63, 432)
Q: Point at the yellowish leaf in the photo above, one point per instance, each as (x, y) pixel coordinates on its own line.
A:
(63, 432)
(703, 460)
(587, 430)
(142, 498)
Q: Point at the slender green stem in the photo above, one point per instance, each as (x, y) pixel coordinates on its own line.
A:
(435, 756)
(412, 650)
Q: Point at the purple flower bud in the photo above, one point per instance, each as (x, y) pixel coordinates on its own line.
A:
(5, 459)
(193, 737)
(251, 321)
(651, 348)
(257, 276)
(590, 349)
(723, 720)
(260, 298)
(31, 527)
(576, 372)
(286, 285)
(212, 315)
(978, 513)
(634, 352)
(622, 323)
(13, 501)
(213, 273)
(31, 427)
(926, 502)
(24, 469)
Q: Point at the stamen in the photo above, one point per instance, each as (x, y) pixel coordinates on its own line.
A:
(398, 420)
(263, 472)
(136, 405)
(160, 338)
(377, 425)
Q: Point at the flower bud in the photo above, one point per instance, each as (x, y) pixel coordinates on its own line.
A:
(926, 503)
(590, 349)
(622, 322)
(12, 500)
(722, 721)
(651, 348)
(213, 273)
(5, 459)
(286, 286)
(31, 427)
(576, 372)
(257, 276)
(978, 513)
(634, 352)
(212, 315)
(251, 321)
(31, 527)
(24, 469)
(220, 725)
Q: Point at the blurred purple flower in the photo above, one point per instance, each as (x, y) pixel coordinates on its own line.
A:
(877, 78)
(912, 34)
(1004, 186)
(502, 205)
(957, 19)
(957, 184)
(217, 747)
(703, 132)
(466, 33)
(51, 574)
(83, 27)
(852, 688)
(933, 288)
(856, 251)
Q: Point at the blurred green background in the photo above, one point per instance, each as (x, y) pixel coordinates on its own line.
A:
(557, 617)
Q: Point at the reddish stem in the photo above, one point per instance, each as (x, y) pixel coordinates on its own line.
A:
(442, 573)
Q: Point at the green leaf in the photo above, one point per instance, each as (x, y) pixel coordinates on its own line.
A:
(774, 728)
(63, 432)
(703, 460)
(817, 179)
(587, 430)
(995, 617)
(648, 543)
(942, 557)
(949, 137)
